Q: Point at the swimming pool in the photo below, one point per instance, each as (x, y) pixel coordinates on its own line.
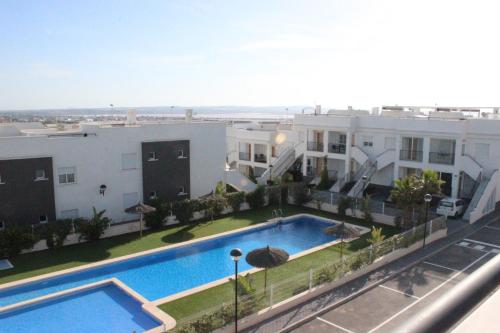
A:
(105, 308)
(174, 270)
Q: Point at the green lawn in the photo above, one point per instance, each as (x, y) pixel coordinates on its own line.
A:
(33, 264)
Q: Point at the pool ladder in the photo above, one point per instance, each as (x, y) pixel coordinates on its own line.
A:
(278, 214)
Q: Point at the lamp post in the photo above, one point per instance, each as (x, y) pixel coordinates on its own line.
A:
(270, 180)
(236, 255)
(427, 199)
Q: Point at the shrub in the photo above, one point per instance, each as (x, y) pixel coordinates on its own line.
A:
(183, 210)
(93, 229)
(235, 200)
(344, 204)
(274, 194)
(15, 239)
(55, 232)
(324, 275)
(155, 219)
(215, 206)
(256, 198)
(300, 193)
(367, 210)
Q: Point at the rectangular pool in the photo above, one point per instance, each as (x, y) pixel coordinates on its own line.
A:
(102, 309)
(174, 270)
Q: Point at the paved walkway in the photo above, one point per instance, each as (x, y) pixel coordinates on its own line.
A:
(430, 269)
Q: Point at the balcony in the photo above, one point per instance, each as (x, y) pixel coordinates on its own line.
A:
(314, 146)
(337, 148)
(411, 155)
(441, 158)
(244, 156)
(259, 158)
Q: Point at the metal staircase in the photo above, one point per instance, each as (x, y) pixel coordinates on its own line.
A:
(363, 181)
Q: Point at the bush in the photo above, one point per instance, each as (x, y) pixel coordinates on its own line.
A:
(155, 219)
(256, 198)
(15, 239)
(235, 200)
(56, 232)
(274, 194)
(299, 193)
(215, 206)
(183, 209)
(344, 204)
(93, 229)
(367, 210)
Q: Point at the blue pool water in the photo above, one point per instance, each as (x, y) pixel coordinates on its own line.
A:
(174, 270)
(103, 309)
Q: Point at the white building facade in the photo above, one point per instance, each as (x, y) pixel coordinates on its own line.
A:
(109, 166)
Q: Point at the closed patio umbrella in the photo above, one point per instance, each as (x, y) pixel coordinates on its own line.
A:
(342, 231)
(141, 209)
(267, 257)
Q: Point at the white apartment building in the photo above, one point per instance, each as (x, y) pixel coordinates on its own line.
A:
(253, 147)
(377, 148)
(48, 173)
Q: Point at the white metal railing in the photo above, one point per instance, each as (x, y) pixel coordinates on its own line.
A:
(286, 286)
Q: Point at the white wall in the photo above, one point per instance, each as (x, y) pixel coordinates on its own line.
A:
(98, 161)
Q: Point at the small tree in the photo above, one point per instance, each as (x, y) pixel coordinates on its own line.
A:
(93, 229)
(183, 210)
(215, 205)
(55, 232)
(324, 182)
(344, 204)
(155, 219)
(15, 239)
(367, 209)
(256, 198)
(376, 237)
(235, 200)
(405, 194)
(299, 193)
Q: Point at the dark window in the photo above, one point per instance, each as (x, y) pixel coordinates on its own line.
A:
(181, 190)
(180, 153)
(43, 219)
(152, 195)
(152, 156)
(2, 225)
(40, 174)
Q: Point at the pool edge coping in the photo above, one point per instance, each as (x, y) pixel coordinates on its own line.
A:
(225, 279)
(153, 305)
(166, 321)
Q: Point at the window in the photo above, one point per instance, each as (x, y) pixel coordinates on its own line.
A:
(181, 190)
(2, 225)
(66, 175)
(152, 156)
(129, 161)
(40, 174)
(43, 219)
(367, 141)
(130, 199)
(482, 151)
(180, 153)
(2, 181)
(153, 195)
(69, 214)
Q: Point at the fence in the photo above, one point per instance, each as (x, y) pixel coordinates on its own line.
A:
(302, 282)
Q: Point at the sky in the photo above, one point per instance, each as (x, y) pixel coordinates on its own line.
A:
(364, 53)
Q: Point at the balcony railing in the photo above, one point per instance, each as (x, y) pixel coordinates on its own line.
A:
(411, 155)
(336, 148)
(260, 158)
(313, 172)
(314, 146)
(442, 158)
(244, 156)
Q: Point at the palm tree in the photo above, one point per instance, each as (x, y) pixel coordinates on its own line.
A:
(405, 195)
(429, 183)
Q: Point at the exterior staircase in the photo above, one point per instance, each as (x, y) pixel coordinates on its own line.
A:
(363, 181)
(280, 165)
(239, 181)
(484, 198)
